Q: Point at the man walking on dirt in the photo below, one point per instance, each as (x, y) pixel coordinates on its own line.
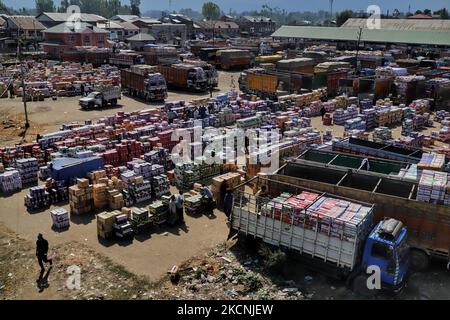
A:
(41, 251)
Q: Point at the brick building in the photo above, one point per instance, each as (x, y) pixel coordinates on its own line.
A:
(64, 37)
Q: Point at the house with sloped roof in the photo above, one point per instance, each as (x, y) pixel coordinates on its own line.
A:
(137, 42)
(66, 36)
(219, 28)
(176, 18)
(129, 29)
(51, 19)
(256, 25)
(116, 30)
(27, 28)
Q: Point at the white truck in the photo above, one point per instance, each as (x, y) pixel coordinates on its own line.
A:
(101, 97)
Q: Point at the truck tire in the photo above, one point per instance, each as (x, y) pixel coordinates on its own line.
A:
(420, 260)
(114, 102)
(359, 286)
(90, 105)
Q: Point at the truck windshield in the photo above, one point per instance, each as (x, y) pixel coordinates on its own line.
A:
(92, 95)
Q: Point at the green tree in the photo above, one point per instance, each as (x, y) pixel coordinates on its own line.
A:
(135, 10)
(4, 9)
(44, 6)
(418, 12)
(343, 16)
(211, 11)
(427, 12)
(113, 7)
(63, 6)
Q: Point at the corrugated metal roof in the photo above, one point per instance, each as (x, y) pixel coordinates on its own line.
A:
(64, 16)
(351, 34)
(74, 28)
(402, 24)
(27, 23)
(128, 26)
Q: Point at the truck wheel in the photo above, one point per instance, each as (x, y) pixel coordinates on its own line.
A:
(360, 286)
(114, 102)
(420, 261)
(91, 105)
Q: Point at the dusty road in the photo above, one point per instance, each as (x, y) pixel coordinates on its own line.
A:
(152, 253)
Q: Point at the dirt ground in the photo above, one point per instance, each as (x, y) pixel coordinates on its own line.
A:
(230, 270)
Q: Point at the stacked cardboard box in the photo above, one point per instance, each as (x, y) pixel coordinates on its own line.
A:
(231, 179)
(444, 134)
(105, 222)
(140, 190)
(388, 115)
(432, 161)
(341, 115)
(115, 199)
(335, 217)
(432, 187)
(10, 181)
(369, 117)
(98, 176)
(28, 169)
(81, 197)
(100, 195)
(139, 216)
(160, 185)
(382, 134)
(355, 124)
(60, 218)
(38, 197)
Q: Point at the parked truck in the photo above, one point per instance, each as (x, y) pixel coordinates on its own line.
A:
(273, 83)
(341, 246)
(150, 86)
(210, 71)
(428, 224)
(233, 58)
(184, 76)
(101, 97)
(126, 59)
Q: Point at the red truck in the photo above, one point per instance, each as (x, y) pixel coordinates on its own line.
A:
(150, 86)
(184, 76)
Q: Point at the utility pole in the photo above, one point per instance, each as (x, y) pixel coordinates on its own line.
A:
(331, 10)
(357, 49)
(22, 78)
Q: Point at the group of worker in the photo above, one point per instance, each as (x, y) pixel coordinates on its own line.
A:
(195, 113)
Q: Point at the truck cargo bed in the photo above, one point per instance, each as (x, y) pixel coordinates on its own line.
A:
(308, 235)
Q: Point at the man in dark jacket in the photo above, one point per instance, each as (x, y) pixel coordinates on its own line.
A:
(228, 203)
(41, 251)
(323, 111)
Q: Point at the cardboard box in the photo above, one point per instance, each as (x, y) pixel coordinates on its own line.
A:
(82, 183)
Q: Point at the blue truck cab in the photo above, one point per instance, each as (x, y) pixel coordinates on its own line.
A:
(387, 248)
